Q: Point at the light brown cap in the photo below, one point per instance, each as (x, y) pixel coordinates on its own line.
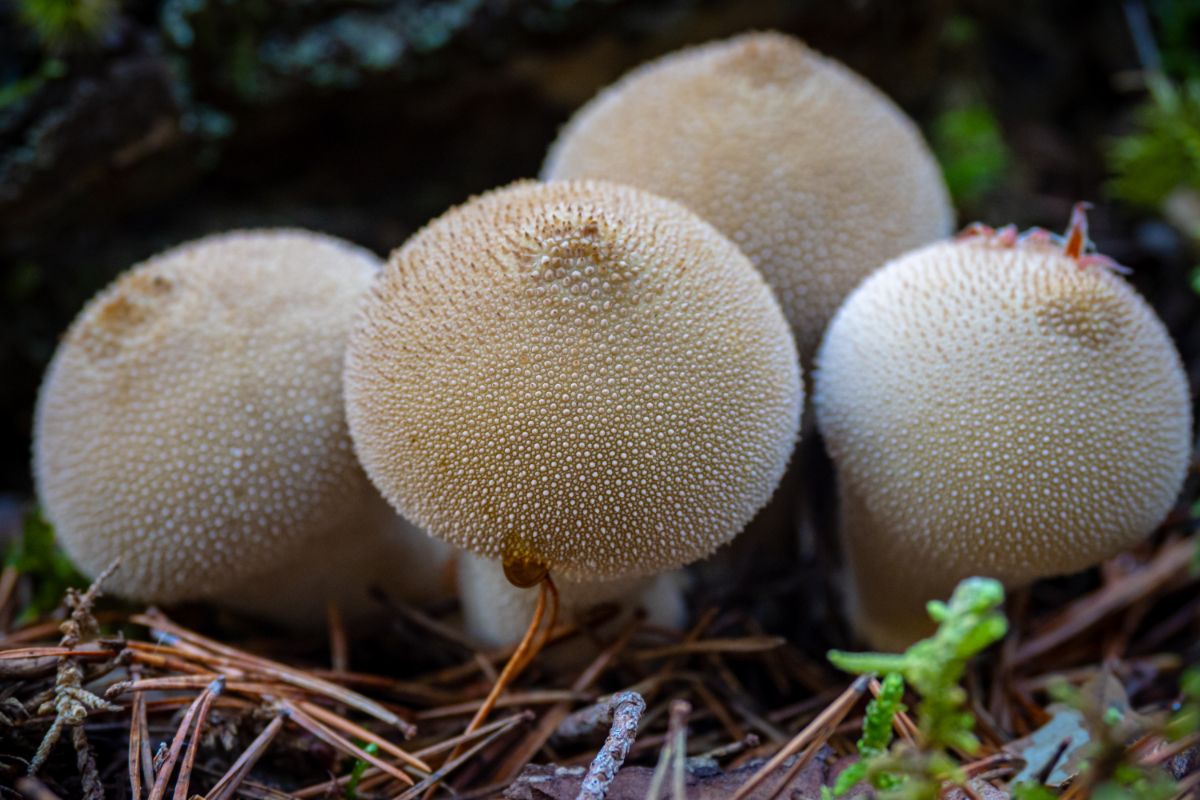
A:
(577, 376)
(191, 421)
(996, 408)
(812, 171)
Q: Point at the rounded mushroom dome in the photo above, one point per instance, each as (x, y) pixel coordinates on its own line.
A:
(191, 421)
(998, 408)
(573, 376)
(815, 174)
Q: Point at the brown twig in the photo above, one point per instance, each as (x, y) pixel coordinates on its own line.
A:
(520, 657)
(237, 772)
(1087, 611)
(189, 757)
(339, 647)
(159, 789)
(673, 757)
(433, 780)
(827, 719)
(331, 719)
(339, 742)
(273, 669)
(524, 752)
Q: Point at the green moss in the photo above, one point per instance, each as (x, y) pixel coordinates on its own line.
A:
(876, 738)
(64, 25)
(37, 554)
(934, 667)
(1162, 154)
(21, 88)
(1178, 26)
(971, 149)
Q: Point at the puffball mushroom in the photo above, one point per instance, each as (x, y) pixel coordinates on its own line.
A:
(995, 406)
(191, 424)
(815, 174)
(574, 377)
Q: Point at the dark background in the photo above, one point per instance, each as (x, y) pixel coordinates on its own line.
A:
(128, 127)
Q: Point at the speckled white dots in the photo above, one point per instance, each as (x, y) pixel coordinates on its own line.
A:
(994, 410)
(602, 439)
(816, 175)
(166, 431)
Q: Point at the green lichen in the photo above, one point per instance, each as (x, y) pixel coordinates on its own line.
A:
(341, 52)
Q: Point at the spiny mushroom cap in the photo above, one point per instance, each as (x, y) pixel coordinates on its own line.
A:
(1002, 410)
(813, 173)
(576, 376)
(191, 421)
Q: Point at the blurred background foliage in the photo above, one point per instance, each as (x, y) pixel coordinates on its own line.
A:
(126, 127)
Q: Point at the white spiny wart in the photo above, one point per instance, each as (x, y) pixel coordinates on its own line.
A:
(575, 376)
(191, 423)
(815, 174)
(996, 405)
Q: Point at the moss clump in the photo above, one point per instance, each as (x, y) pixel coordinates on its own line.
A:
(65, 25)
(934, 667)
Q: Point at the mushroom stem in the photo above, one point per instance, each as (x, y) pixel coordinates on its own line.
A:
(885, 595)
(496, 611)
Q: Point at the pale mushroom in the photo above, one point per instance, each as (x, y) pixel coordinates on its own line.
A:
(577, 378)
(191, 425)
(813, 172)
(997, 406)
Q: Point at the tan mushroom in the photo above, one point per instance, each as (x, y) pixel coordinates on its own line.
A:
(995, 406)
(191, 424)
(574, 377)
(809, 169)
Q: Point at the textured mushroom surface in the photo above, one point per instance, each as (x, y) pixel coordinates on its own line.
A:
(813, 172)
(579, 376)
(191, 422)
(496, 613)
(994, 409)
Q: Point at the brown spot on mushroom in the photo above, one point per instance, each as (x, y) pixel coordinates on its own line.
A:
(191, 423)
(816, 175)
(1080, 312)
(602, 384)
(994, 409)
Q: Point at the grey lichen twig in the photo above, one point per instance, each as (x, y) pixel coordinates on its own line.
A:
(626, 710)
(71, 703)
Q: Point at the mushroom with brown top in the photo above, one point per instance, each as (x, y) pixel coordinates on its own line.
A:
(578, 378)
(191, 424)
(996, 406)
(809, 169)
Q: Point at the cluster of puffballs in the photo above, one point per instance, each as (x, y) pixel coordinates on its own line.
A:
(598, 376)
